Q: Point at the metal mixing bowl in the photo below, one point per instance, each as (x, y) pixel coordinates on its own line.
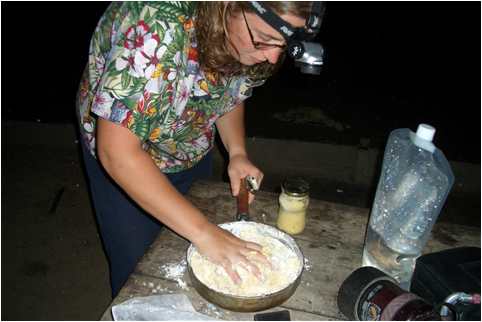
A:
(249, 303)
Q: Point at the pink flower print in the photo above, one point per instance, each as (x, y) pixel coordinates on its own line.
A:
(201, 143)
(141, 105)
(139, 50)
(211, 120)
(137, 36)
(127, 60)
(181, 97)
(102, 104)
(150, 57)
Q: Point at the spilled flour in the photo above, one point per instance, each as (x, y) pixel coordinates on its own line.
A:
(286, 266)
(175, 271)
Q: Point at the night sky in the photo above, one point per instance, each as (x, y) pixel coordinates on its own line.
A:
(388, 65)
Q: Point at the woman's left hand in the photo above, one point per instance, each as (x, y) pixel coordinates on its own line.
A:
(240, 167)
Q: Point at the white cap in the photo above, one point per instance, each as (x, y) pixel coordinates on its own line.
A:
(425, 132)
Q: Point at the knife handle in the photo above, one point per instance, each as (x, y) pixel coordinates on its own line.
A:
(243, 212)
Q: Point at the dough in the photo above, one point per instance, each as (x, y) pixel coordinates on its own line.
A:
(286, 266)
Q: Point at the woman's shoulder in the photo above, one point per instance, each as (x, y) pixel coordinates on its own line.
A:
(124, 22)
(166, 11)
(159, 17)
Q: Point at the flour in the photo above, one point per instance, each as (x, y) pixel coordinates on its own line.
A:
(175, 271)
(286, 264)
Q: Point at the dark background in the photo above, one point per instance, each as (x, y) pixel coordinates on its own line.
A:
(388, 65)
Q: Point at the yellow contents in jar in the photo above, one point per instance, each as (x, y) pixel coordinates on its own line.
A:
(292, 213)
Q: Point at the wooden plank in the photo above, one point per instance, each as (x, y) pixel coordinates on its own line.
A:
(447, 235)
(332, 244)
(167, 251)
(215, 201)
(331, 261)
(140, 285)
(338, 223)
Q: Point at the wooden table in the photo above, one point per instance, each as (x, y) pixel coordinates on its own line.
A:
(332, 244)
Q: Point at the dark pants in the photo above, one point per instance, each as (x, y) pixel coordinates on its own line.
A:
(127, 230)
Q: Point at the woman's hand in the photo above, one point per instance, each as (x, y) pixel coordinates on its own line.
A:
(240, 167)
(225, 249)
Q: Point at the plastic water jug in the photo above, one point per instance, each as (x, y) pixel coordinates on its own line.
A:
(415, 181)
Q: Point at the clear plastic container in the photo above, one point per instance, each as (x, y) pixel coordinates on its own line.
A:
(415, 181)
(293, 202)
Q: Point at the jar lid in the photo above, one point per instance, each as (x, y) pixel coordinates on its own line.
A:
(296, 186)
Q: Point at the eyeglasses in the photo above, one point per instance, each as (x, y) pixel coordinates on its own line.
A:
(260, 45)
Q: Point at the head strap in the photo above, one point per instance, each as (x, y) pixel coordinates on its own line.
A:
(272, 19)
(288, 32)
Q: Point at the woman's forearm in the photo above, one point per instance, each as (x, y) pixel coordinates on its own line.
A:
(132, 168)
(232, 132)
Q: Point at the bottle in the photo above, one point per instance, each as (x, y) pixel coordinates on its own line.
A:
(293, 202)
(368, 294)
(415, 181)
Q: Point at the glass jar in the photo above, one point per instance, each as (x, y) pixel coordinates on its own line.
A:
(293, 202)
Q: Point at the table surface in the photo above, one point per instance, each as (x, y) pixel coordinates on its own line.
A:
(332, 244)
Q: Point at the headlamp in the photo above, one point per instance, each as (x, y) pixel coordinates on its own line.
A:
(308, 56)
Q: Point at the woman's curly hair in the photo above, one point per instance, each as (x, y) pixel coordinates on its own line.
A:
(212, 37)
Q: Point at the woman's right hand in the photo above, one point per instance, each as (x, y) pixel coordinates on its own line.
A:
(225, 249)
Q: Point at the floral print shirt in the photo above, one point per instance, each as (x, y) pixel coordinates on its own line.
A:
(143, 73)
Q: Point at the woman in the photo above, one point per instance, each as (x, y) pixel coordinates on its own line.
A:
(161, 78)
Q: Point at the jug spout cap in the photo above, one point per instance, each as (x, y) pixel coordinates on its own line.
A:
(425, 132)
